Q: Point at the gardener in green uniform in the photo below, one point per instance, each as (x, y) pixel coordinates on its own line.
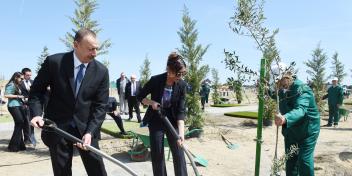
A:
(335, 99)
(300, 121)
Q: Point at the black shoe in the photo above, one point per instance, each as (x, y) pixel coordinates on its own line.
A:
(123, 133)
(327, 125)
(129, 119)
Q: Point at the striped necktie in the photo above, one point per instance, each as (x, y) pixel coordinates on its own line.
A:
(79, 78)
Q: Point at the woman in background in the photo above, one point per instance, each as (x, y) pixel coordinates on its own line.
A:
(15, 107)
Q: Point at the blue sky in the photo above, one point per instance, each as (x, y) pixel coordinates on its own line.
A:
(137, 28)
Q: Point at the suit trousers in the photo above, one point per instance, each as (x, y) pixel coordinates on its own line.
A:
(28, 130)
(156, 132)
(133, 103)
(61, 157)
(118, 120)
(123, 103)
(26, 126)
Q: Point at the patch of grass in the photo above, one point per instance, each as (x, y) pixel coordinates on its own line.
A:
(243, 114)
(110, 128)
(225, 105)
(6, 118)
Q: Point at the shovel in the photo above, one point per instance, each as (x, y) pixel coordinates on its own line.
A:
(199, 160)
(173, 132)
(229, 144)
(48, 124)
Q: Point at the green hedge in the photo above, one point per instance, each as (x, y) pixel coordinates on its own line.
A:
(243, 114)
(225, 105)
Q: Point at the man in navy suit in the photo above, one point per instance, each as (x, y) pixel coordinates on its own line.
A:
(79, 91)
(132, 90)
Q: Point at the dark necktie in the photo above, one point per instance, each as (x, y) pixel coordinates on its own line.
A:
(27, 85)
(79, 78)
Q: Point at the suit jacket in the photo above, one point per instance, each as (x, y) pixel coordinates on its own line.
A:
(128, 92)
(118, 84)
(87, 110)
(155, 87)
(23, 88)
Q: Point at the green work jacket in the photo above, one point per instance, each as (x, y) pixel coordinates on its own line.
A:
(335, 95)
(298, 106)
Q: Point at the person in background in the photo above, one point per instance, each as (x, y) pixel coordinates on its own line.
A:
(300, 120)
(335, 100)
(132, 89)
(15, 107)
(204, 94)
(121, 87)
(167, 90)
(25, 86)
(111, 111)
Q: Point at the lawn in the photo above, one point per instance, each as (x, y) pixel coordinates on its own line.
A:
(110, 127)
(243, 114)
(225, 105)
(6, 118)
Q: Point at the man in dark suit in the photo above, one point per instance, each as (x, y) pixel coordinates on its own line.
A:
(79, 91)
(25, 86)
(132, 89)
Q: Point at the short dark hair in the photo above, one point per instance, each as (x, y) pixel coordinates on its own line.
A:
(24, 70)
(175, 62)
(80, 34)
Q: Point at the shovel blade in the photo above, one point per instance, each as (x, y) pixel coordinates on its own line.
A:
(200, 161)
(232, 146)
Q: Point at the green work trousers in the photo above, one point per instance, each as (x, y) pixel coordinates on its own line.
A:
(301, 164)
(334, 114)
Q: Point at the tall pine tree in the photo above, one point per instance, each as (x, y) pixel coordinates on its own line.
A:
(338, 69)
(193, 54)
(82, 19)
(41, 58)
(145, 71)
(317, 72)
